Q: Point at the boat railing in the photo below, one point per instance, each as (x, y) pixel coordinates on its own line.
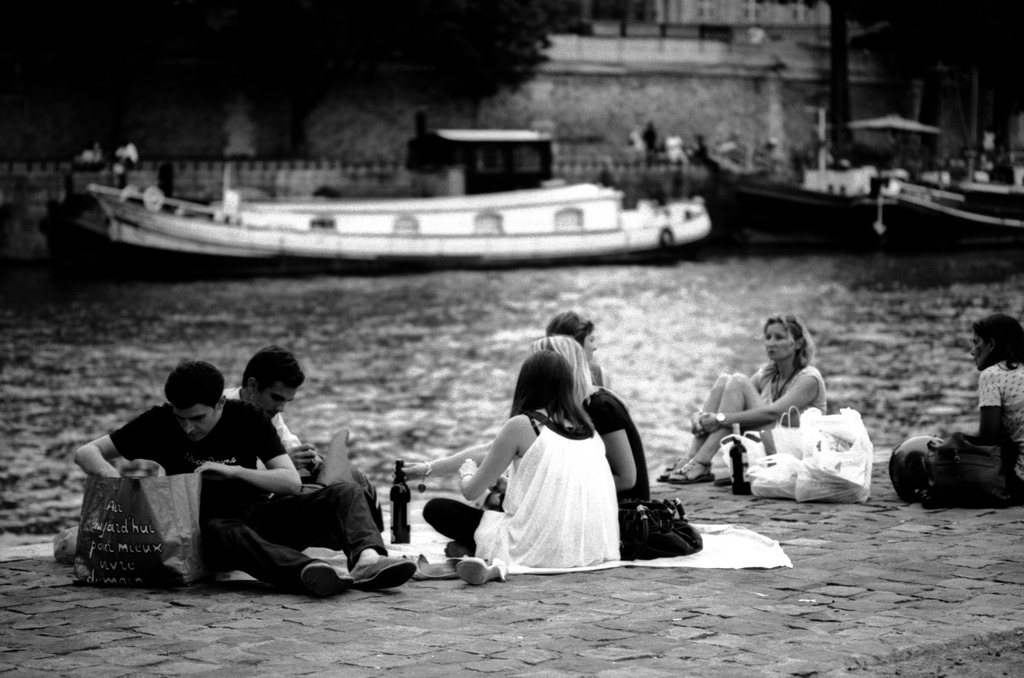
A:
(154, 200)
(926, 192)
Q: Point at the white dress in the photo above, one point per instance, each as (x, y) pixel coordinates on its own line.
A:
(560, 507)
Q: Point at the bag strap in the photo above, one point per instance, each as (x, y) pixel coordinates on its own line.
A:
(536, 420)
(788, 416)
(645, 532)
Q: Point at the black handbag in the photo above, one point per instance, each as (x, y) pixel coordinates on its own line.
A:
(651, 529)
(964, 474)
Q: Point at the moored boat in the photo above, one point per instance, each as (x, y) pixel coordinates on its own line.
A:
(831, 208)
(137, 232)
(495, 204)
(926, 217)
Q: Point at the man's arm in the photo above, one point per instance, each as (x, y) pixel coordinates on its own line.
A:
(280, 476)
(303, 454)
(94, 458)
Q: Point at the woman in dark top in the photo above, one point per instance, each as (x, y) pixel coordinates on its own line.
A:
(572, 325)
(623, 447)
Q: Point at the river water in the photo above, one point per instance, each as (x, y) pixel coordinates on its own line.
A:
(420, 365)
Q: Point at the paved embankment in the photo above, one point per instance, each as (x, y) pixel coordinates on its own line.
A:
(869, 583)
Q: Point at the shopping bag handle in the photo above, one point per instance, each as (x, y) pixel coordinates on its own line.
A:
(788, 416)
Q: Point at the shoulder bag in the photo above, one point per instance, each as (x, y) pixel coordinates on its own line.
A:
(651, 529)
(964, 474)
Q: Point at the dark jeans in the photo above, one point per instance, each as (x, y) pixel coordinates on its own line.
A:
(453, 519)
(265, 539)
(369, 492)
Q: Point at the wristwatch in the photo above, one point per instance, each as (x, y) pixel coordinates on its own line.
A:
(720, 418)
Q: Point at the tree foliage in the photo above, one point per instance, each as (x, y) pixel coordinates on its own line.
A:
(304, 47)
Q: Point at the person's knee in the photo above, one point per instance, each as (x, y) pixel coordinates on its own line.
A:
(434, 509)
(342, 492)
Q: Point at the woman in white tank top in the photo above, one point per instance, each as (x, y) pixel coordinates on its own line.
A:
(560, 508)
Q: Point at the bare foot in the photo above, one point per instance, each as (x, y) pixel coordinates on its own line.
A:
(456, 550)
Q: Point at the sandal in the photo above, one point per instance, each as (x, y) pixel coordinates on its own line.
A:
(669, 470)
(684, 476)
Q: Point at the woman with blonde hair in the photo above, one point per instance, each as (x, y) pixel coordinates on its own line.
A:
(623, 447)
(757, 402)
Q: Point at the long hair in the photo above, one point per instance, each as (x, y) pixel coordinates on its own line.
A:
(568, 348)
(571, 324)
(546, 382)
(1008, 336)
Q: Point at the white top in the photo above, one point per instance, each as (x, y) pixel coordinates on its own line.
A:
(288, 439)
(560, 507)
(999, 386)
(763, 383)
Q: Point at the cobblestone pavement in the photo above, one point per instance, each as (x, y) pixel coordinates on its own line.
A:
(869, 584)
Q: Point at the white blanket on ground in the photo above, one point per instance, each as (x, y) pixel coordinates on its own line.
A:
(725, 547)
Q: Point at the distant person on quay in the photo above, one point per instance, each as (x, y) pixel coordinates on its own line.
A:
(571, 324)
(252, 519)
(757, 402)
(270, 381)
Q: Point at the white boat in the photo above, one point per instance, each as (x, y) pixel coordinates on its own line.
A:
(143, 232)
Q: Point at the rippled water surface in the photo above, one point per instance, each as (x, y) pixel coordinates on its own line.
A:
(420, 365)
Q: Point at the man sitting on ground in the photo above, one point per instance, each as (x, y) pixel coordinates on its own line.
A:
(270, 381)
(243, 527)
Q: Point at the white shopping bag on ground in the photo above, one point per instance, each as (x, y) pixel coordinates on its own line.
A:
(775, 476)
(793, 435)
(839, 467)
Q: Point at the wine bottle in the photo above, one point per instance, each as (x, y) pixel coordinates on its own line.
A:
(400, 496)
(738, 455)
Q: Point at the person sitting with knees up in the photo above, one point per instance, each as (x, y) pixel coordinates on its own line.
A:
(560, 508)
(757, 402)
(270, 381)
(572, 325)
(998, 353)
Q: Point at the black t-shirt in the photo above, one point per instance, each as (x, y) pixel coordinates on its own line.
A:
(610, 415)
(242, 435)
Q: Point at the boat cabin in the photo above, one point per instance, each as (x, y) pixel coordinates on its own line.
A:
(490, 160)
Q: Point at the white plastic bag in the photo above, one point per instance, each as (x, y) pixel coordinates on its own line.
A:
(721, 463)
(839, 468)
(798, 441)
(775, 476)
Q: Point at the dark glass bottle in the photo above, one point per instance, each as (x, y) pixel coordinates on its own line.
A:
(399, 506)
(738, 455)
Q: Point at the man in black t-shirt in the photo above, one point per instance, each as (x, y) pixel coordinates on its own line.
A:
(252, 519)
